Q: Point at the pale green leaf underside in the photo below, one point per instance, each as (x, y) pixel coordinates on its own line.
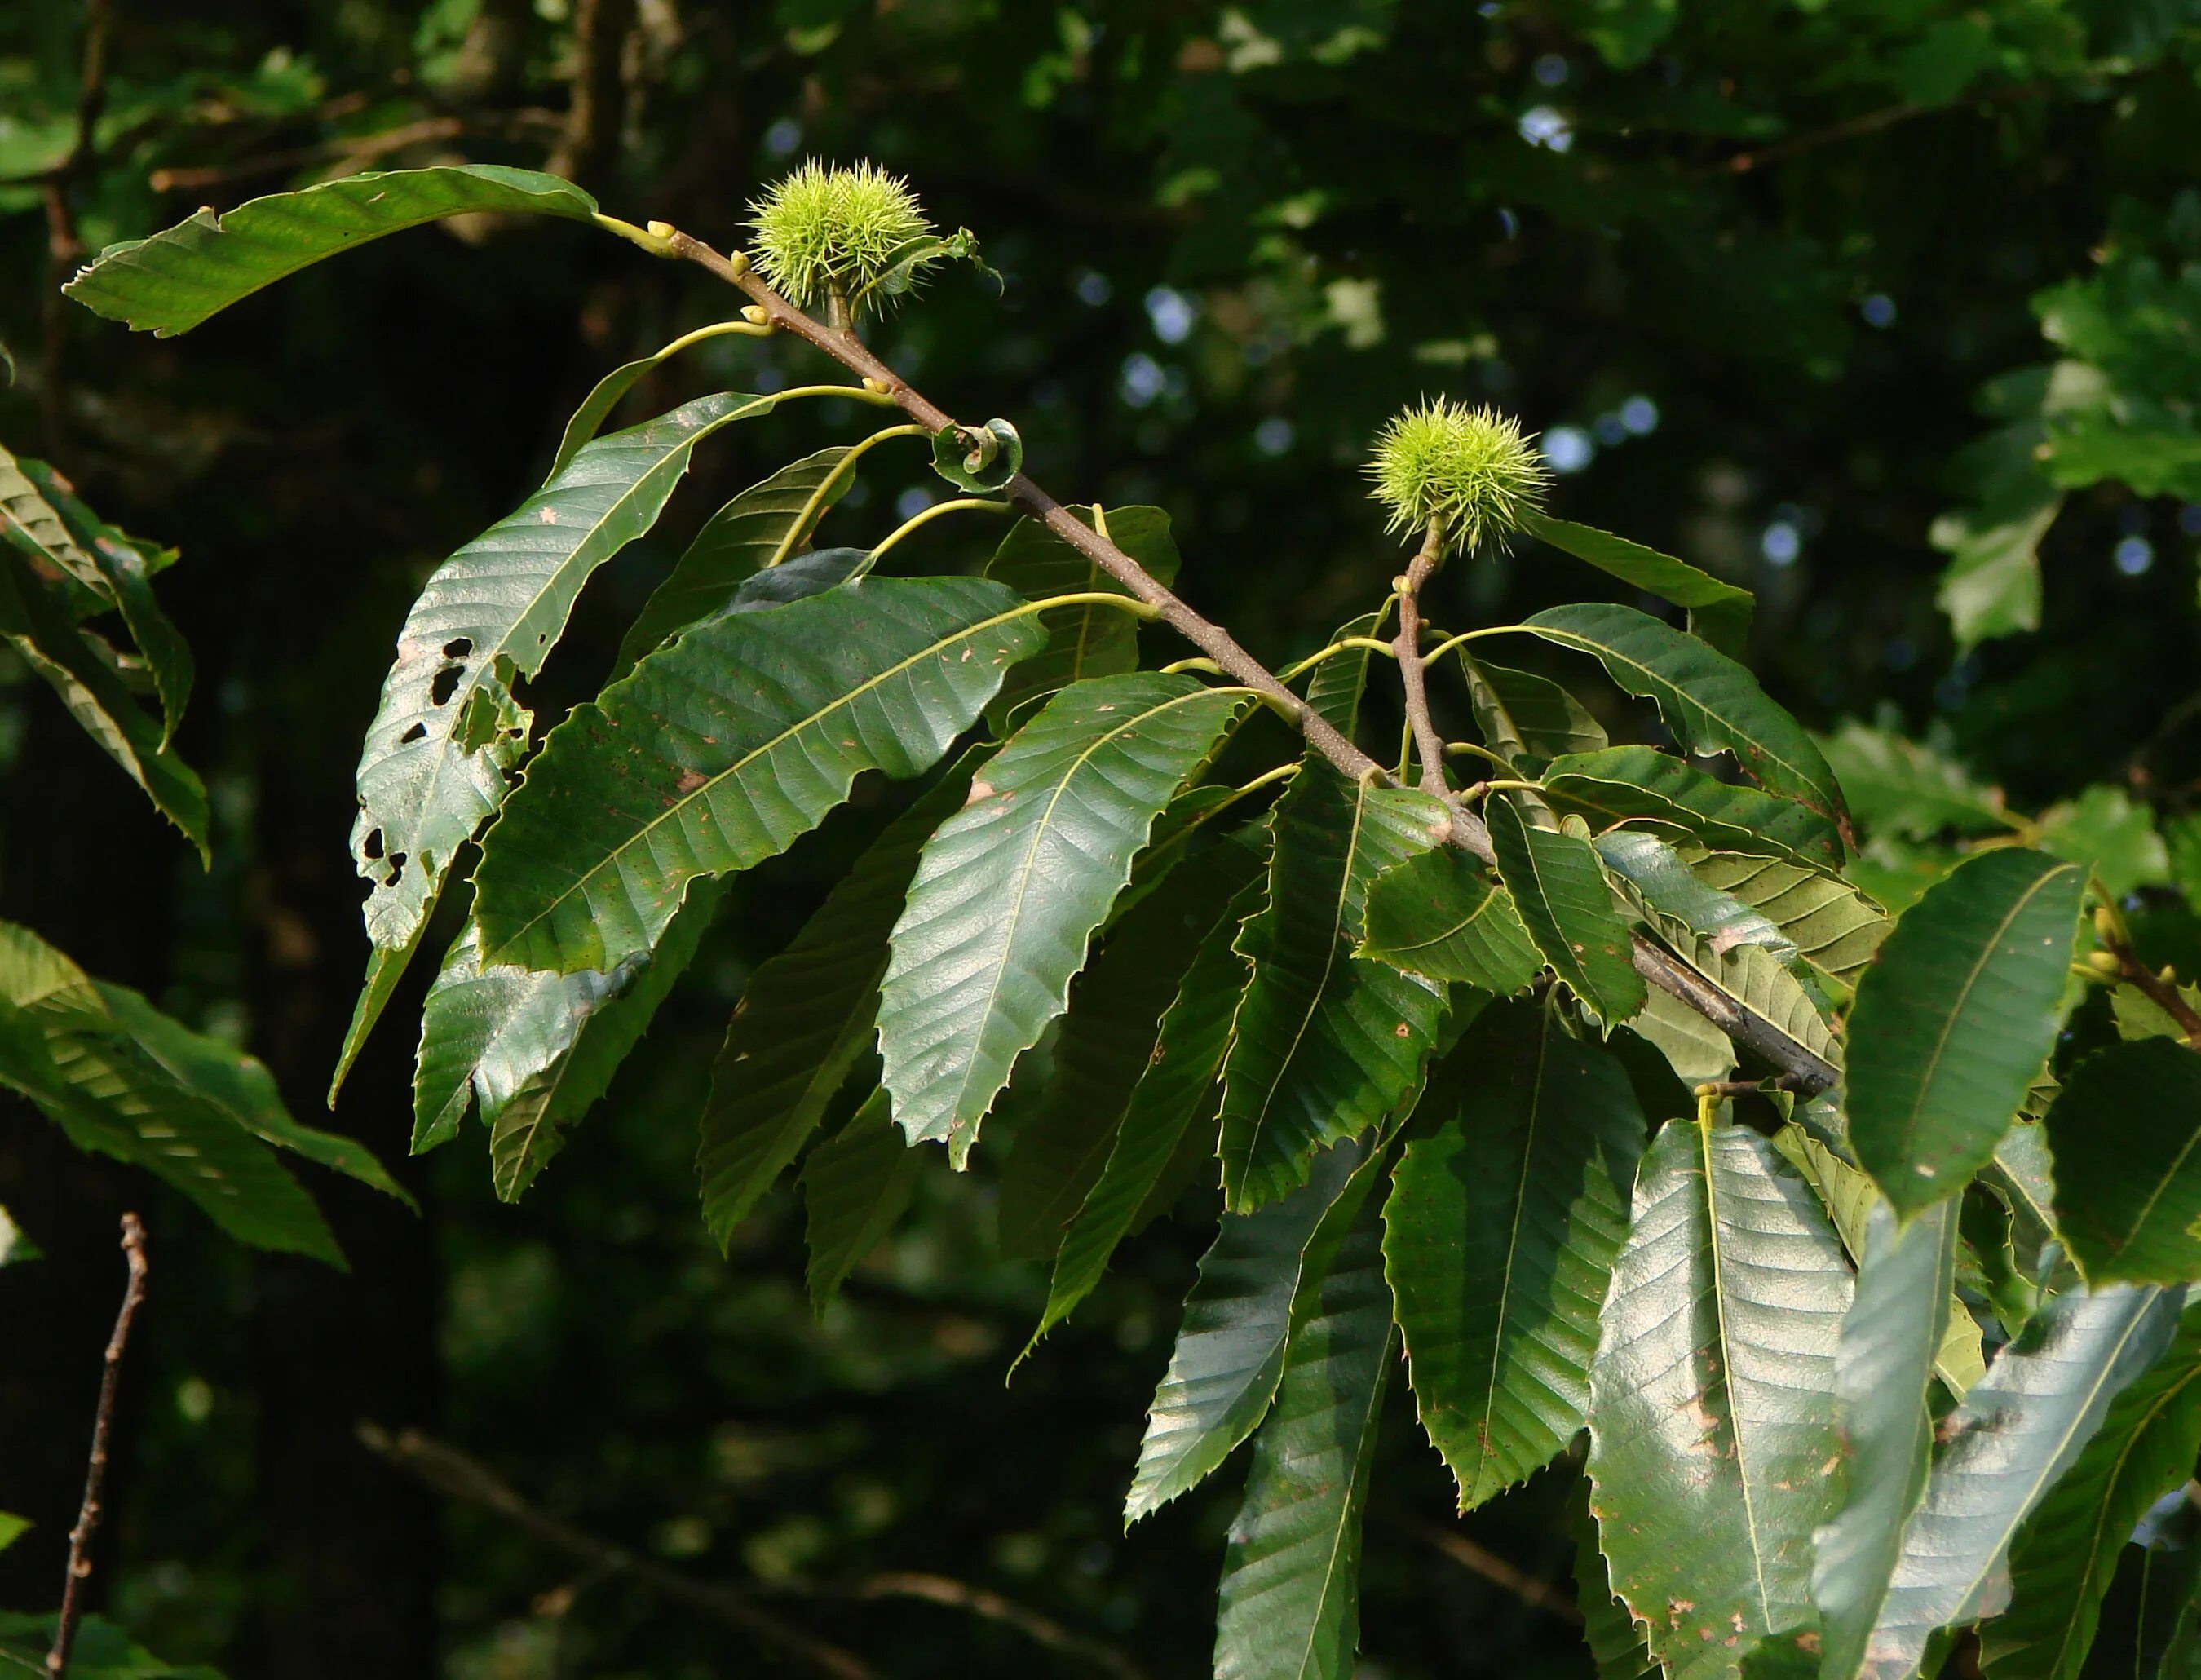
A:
(1637, 785)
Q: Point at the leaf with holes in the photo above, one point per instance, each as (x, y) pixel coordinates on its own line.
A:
(1500, 1233)
(725, 748)
(2019, 1430)
(1712, 1441)
(1229, 1353)
(1325, 1046)
(1883, 1370)
(1718, 611)
(1440, 915)
(1086, 639)
(169, 283)
(1011, 889)
(1954, 1020)
(1107, 1044)
(724, 567)
(1559, 888)
(1710, 702)
(807, 1015)
(1291, 1566)
(2130, 1214)
(450, 728)
(855, 1185)
(2064, 1557)
(1637, 785)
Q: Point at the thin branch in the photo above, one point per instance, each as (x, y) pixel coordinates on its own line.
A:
(1813, 1072)
(986, 1606)
(64, 246)
(353, 150)
(1495, 1570)
(1429, 745)
(95, 1474)
(2160, 992)
(450, 1473)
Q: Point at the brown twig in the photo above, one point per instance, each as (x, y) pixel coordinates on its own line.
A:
(2160, 992)
(1495, 1570)
(1428, 743)
(95, 1474)
(1813, 1073)
(452, 1473)
(987, 1605)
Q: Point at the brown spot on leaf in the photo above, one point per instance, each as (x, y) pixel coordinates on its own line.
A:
(689, 780)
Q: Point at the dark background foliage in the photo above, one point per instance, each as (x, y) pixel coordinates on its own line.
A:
(1748, 265)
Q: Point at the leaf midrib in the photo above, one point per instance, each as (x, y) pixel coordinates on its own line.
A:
(847, 697)
(1727, 1374)
(1513, 1246)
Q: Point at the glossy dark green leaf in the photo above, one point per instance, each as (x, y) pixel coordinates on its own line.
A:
(451, 728)
(1558, 887)
(1500, 1233)
(807, 1016)
(1229, 1353)
(530, 1051)
(761, 530)
(1615, 1640)
(2064, 1558)
(855, 1185)
(1883, 1369)
(1085, 640)
(1718, 611)
(1011, 889)
(37, 620)
(1954, 1020)
(2130, 1212)
(1544, 721)
(725, 748)
(1291, 1566)
(1712, 1441)
(1194, 1035)
(1710, 702)
(171, 282)
(1441, 914)
(1324, 1045)
(1107, 1044)
(2018, 1430)
(1637, 785)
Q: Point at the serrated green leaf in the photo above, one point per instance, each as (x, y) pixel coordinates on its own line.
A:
(855, 1185)
(2110, 832)
(2130, 1212)
(1194, 1035)
(1338, 685)
(1954, 1020)
(169, 283)
(1835, 927)
(1992, 584)
(37, 620)
(1440, 915)
(1718, 611)
(2017, 1431)
(1544, 721)
(1107, 1044)
(1324, 1046)
(73, 1046)
(760, 531)
(531, 1050)
(1501, 1232)
(1086, 639)
(1614, 1641)
(385, 968)
(1712, 1441)
(724, 748)
(1639, 785)
(2065, 1556)
(450, 728)
(1905, 788)
(807, 1015)
(1229, 1353)
(1291, 1568)
(1558, 887)
(1011, 889)
(1884, 1363)
(1683, 906)
(1710, 702)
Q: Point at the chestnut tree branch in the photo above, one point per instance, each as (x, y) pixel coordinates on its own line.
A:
(1429, 745)
(95, 1475)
